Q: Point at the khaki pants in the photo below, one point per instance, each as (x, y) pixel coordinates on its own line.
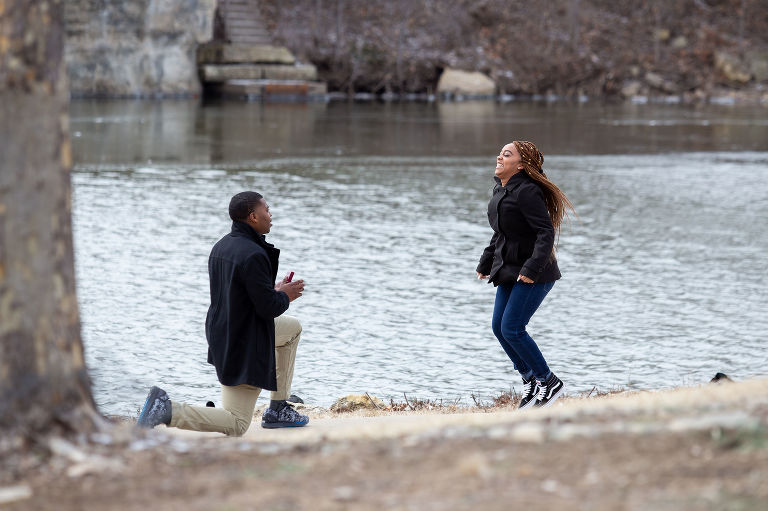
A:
(238, 402)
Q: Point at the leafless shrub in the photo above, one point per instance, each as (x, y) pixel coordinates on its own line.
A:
(564, 47)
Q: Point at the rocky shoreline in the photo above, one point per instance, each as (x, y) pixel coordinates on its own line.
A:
(682, 52)
(694, 51)
(723, 96)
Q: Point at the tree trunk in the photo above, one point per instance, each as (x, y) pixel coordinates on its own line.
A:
(574, 16)
(44, 385)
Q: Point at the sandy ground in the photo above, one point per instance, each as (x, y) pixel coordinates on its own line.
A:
(695, 448)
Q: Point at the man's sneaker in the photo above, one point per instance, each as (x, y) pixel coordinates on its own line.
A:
(549, 391)
(528, 396)
(156, 410)
(284, 417)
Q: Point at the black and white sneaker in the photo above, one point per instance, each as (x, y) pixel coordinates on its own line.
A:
(156, 409)
(528, 396)
(284, 417)
(549, 391)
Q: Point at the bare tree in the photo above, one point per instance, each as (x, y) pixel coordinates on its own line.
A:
(742, 15)
(404, 15)
(339, 28)
(316, 23)
(574, 16)
(44, 385)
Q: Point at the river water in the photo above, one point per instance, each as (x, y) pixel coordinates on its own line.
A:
(381, 208)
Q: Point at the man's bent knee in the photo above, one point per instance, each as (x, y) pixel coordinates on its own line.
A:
(241, 426)
(287, 331)
(288, 325)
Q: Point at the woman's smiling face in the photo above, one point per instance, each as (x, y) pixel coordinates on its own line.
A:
(507, 162)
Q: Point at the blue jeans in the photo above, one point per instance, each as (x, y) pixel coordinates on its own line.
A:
(513, 309)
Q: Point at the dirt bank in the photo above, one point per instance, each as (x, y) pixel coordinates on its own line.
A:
(695, 448)
(691, 49)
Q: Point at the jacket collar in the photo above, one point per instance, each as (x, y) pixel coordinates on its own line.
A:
(513, 181)
(243, 229)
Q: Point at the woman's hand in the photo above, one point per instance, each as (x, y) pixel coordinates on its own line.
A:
(480, 276)
(524, 279)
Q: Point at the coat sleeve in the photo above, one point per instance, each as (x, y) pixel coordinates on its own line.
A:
(534, 209)
(257, 277)
(486, 260)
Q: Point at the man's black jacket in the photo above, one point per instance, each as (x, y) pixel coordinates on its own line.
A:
(523, 235)
(240, 326)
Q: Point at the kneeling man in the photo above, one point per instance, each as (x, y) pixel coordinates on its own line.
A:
(250, 342)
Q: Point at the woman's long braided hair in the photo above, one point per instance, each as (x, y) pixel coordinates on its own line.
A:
(556, 201)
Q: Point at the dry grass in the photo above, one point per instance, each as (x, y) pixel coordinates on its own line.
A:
(506, 399)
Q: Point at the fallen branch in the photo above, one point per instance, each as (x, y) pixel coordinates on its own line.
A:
(372, 401)
(407, 403)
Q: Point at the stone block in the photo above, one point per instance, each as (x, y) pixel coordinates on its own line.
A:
(286, 89)
(679, 42)
(731, 67)
(135, 48)
(306, 72)
(266, 88)
(658, 82)
(354, 402)
(317, 88)
(239, 88)
(222, 73)
(631, 88)
(661, 34)
(470, 83)
(192, 19)
(221, 53)
(758, 65)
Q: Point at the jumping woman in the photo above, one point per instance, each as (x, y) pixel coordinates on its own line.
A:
(525, 213)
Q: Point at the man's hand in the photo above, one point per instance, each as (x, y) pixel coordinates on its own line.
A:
(480, 276)
(292, 289)
(524, 279)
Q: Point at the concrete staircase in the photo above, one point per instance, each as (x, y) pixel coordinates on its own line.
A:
(241, 22)
(242, 61)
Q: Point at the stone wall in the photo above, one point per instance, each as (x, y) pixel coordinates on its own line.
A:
(135, 48)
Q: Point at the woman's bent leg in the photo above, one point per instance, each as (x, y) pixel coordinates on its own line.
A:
(524, 300)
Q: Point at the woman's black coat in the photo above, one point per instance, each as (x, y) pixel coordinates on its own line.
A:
(523, 235)
(240, 326)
